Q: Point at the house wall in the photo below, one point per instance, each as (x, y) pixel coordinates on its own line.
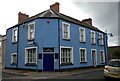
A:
(75, 43)
(46, 35)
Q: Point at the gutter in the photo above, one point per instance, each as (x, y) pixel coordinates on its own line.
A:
(59, 40)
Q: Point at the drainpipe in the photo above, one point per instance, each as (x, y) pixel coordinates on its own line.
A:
(105, 47)
(17, 46)
(59, 40)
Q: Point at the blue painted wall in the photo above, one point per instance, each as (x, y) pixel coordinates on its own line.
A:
(75, 43)
(46, 35)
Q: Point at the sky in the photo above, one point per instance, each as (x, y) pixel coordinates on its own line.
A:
(104, 13)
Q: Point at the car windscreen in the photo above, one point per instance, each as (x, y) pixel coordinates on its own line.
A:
(114, 63)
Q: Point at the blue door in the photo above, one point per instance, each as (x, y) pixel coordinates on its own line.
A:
(48, 62)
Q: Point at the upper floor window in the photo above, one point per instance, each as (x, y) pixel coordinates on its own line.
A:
(82, 34)
(14, 34)
(93, 38)
(31, 31)
(102, 56)
(83, 55)
(65, 30)
(101, 39)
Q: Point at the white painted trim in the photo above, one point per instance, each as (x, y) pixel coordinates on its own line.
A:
(63, 30)
(85, 54)
(36, 53)
(84, 34)
(12, 57)
(72, 60)
(102, 39)
(29, 30)
(94, 36)
(95, 55)
(13, 33)
(103, 56)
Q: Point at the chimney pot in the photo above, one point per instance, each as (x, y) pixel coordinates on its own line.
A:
(55, 7)
(22, 17)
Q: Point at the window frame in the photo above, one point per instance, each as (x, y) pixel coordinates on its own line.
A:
(26, 56)
(101, 39)
(68, 31)
(103, 56)
(13, 35)
(62, 47)
(85, 55)
(12, 58)
(93, 38)
(29, 31)
(84, 34)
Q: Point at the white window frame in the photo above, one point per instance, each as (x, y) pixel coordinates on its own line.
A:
(94, 38)
(95, 55)
(13, 34)
(29, 35)
(26, 60)
(68, 31)
(103, 56)
(84, 35)
(71, 53)
(12, 57)
(101, 39)
(85, 54)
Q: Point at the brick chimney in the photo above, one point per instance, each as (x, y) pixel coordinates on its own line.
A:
(55, 7)
(88, 21)
(22, 17)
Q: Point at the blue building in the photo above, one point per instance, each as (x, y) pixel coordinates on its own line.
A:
(52, 41)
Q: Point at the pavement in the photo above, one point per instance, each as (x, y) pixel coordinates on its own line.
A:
(44, 75)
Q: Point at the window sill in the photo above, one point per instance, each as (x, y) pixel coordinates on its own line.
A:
(14, 64)
(31, 39)
(65, 64)
(82, 42)
(66, 39)
(14, 42)
(83, 62)
(93, 43)
(30, 64)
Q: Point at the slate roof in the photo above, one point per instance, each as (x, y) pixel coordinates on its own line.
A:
(51, 14)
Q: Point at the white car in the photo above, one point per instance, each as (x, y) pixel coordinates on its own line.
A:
(112, 70)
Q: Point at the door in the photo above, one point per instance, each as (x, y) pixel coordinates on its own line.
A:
(48, 62)
(94, 58)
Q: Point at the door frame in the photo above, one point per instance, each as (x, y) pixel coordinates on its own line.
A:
(43, 58)
(94, 65)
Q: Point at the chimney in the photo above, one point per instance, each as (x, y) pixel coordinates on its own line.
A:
(22, 17)
(88, 21)
(55, 7)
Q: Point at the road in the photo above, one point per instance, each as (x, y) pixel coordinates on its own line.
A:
(88, 75)
(95, 75)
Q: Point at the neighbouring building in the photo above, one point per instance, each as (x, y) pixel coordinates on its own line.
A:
(114, 52)
(3, 50)
(52, 41)
(0, 50)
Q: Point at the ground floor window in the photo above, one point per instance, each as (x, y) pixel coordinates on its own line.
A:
(31, 55)
(102, 56)
(14, 58)
(66, 55)
(83, 55)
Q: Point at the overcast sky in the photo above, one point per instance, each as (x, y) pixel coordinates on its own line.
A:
(104, 14)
